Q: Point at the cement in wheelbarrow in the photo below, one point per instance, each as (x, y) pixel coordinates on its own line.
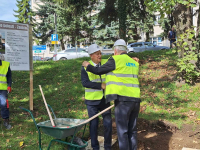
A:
(65, 127)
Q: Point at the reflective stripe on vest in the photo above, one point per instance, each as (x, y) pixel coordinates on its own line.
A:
(121, 83)
(2, 75)
(122, 75)
(123, 80)
(4, 71)
(95, 94)
(92, 90)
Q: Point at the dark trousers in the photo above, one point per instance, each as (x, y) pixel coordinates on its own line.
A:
(126, 114)
(107, 123)
(3, 104)
(172, 42)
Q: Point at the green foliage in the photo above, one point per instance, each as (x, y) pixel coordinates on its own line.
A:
(165, 24)
(71, 20)
(167, 6)
(187, 64)
(24, 13)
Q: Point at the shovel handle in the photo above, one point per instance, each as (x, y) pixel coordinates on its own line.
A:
(86, 121)
(96, 115)
(51, 119)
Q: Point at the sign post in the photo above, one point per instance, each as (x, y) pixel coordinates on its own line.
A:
(54, 40)
(31, 69)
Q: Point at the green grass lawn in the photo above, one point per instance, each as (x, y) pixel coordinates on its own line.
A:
(161, 98)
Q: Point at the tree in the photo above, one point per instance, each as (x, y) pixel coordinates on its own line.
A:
(24, 13)
(182, 13)
(72, 19)
(138, 19)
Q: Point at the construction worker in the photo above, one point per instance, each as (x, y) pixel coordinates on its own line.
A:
(95, 100)
(5, 87)
(122, 85)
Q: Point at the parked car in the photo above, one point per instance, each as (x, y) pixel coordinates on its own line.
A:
(144, 46)
(70, 54)
(37, 58)
(48, 58)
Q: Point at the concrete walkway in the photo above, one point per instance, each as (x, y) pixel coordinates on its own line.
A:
(184, 148)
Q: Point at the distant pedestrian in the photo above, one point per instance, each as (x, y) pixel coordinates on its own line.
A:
(172, 38)
(5, 87)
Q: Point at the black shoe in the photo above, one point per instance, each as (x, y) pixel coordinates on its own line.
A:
(6, 124)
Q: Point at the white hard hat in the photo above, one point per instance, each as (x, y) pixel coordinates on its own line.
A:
(93, 48)
(2, 57)
(120, 42)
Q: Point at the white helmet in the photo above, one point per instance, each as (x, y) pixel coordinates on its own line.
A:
(120, 42)
(2, 57)
(93, 48)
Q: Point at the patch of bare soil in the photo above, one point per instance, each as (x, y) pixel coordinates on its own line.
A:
(162, 136)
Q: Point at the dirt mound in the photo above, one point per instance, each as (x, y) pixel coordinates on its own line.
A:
(161, 135)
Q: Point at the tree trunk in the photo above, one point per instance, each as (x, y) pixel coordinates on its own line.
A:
(198, 37)
(147, 37)
(122, 18)
(135, 36)
(183, 21)
(62, 44)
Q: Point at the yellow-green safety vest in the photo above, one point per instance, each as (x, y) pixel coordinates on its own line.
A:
(95, 94)
(123, 81)
(3, 72)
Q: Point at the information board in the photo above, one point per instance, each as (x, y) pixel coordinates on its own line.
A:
(14, 44)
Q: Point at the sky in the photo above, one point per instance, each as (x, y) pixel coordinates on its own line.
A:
(6, 10)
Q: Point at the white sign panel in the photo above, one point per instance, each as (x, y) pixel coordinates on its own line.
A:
(14, 43)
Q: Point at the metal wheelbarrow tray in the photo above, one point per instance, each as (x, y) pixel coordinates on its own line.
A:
(65, 127)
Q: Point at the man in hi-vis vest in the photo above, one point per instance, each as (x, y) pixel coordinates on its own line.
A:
(122, 85)
(95, 100)
(5, 87)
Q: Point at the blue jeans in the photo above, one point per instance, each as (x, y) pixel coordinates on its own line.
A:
(3, 104)
(126, 114)
(107, 123)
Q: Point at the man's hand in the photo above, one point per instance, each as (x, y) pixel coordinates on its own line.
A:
(85, 64)
(103, 86)
(9, 89)
(136, 59)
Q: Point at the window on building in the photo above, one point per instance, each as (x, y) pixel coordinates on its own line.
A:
(156, 22)
(156, 41)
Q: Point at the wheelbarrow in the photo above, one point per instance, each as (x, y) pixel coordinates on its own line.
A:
(65, 127)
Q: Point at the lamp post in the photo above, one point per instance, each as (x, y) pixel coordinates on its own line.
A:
(55, 45)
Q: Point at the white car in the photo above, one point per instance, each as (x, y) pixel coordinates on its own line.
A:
(70, 54)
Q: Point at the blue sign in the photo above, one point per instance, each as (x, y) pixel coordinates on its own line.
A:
(39, 47)
(54, 37)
